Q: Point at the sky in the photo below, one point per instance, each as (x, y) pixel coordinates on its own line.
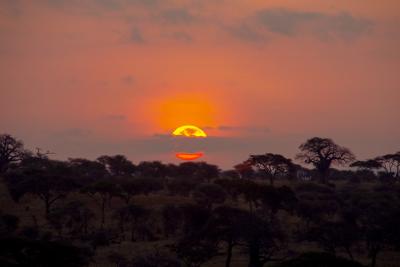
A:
(84, 78)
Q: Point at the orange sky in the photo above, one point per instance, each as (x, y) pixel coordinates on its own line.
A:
(85, 78)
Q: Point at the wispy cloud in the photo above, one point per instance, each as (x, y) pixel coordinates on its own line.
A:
(177, 16)
(128, 79)
(231, 128)
(136, 36)
(245, 32)
(291, 23)
(181, 36)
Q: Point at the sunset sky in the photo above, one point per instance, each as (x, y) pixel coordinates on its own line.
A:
(84, 78)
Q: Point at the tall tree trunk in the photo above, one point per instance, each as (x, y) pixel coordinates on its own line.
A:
(323, 176)
(103, 210)
(348, 250)
(373, 255)
(254, 255)
(229, 254)
(47, 204)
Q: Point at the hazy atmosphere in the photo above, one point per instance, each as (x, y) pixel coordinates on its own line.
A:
(86, 78)
(199, 133)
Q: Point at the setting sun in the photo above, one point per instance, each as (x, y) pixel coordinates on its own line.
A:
(189, 131)
(189, 156)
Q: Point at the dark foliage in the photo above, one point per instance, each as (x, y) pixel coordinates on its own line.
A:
(317, 259)
(36, 253)
(194, 213)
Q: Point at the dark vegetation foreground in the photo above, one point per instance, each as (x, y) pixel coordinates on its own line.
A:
(267, 211)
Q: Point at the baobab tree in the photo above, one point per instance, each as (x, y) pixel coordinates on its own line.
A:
(323, 153)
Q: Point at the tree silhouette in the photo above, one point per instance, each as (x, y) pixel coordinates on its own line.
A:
(35, 253)
(318, 259)
(274, 199)
(379, 218)
(194, 252)
(101, 192)
(198, 212)
(132, 214)
(366, 169)
(244, 170)
(117, 165)
(74, 216)
(87, 171)
(322, 153)
(11, 151)
(172, 217)
(390, 163)
(209, 194)
(332, 236)
(262, 241)
(315, 202)
(47, 179)
(369, 164)
(154, 169)
(155, 258)
(273, 165)
(8, 224)
(225, 225)
(199, 171)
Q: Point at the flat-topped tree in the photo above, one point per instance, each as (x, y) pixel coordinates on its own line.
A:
(101, 192)
(390, 163)
(117, 165)
(274, 165)
(323, 153)
(49, 180)
(369, 164)
(244, 170)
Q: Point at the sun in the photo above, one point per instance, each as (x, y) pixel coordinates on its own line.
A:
(189, 131)
(189, 156)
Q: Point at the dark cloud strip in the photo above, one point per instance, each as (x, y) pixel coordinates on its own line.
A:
(291, 23)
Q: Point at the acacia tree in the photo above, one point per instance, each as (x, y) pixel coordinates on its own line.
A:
(209, 194)
(133, 214)
(244, 169)
(198, 171)
(44, 178)
(74, 216)
(225, 226)
(369, 164)
(154, 169)
(264, 242)
(323, 153)
(11, 151)
(87, 171)
(274, 165)
(101, 192)
(390, 163)
(117, 165)
(366, 168)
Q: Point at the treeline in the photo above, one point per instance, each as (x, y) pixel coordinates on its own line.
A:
(267, 209)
